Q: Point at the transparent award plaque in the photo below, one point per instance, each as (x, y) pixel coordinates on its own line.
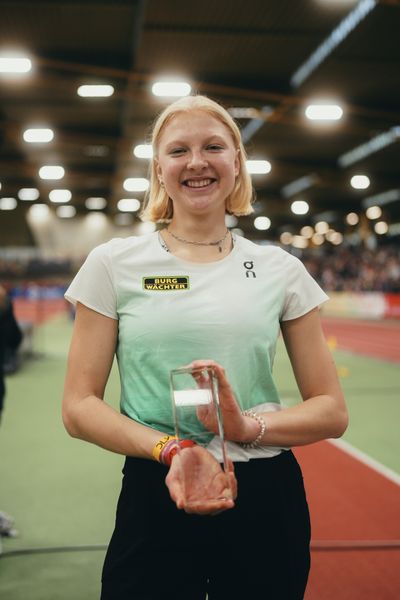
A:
(195, 403)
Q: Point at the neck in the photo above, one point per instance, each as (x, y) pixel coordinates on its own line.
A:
(206, 229)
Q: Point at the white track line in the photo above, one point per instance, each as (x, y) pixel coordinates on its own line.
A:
(367, 460)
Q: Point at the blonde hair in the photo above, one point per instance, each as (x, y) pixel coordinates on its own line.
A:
(158, 205)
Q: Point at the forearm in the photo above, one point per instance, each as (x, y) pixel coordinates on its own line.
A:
(315, 419)
(93, 420)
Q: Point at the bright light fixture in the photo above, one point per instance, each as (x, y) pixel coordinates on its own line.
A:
(39, 212)
(381, 227)
(258, 167)
(51, 172)
(352, 218)
(322, 227)
(95, 203)
(95, 91)
(298, 241)
(14, 64)
(286, 238)
(38, 135)
(143, 151)
(324, 112)
(317, 239)
(262, 223)
(307, 231)
(128, 204)
(360, 182)
(336, 238)
(373, 212)
(8, 203)
(136, 184)
(171, 88)
(28, 194)
(66, 212)
(59, 196)
(300, 207)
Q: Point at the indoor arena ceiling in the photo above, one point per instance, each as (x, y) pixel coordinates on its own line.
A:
(272, 57)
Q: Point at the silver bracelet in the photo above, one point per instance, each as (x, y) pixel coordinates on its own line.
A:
(255, 443)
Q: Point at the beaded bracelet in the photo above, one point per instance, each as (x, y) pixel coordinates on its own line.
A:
(255, 443)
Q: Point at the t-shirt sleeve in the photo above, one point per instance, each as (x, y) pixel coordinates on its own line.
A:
(302, 292)
(94, 285)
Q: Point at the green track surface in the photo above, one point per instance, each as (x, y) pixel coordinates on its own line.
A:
(62, 492)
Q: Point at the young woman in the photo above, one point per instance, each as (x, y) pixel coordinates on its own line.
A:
(193, 293)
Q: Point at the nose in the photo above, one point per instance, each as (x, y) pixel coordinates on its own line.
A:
(196, 160)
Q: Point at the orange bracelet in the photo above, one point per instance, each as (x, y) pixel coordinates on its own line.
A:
(168, 446)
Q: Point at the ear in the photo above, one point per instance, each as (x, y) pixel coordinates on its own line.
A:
(157, 168)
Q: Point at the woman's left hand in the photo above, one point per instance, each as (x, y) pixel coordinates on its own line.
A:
(237, 427)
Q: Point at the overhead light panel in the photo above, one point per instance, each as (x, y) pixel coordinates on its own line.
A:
(8, 203)
(360, 182)
(39, 212)
(60, 196)
(382, 198)
(262, 223)
(28, 194)
(66, 212)
(95, 91)
(37, 135)
(300, 207)
(258, 167)
(324, 112)
(381, 227)
(15, 64)
(95, 203)
(51, 172)
(171, 88)
(136, 184)
(143, 151)
(352, 218)
(299, 185)
(128, 204)
(373, 212)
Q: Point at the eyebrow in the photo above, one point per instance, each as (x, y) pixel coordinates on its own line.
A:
(181, 142)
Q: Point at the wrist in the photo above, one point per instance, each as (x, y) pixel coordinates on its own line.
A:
(167, 446)
(256, 431)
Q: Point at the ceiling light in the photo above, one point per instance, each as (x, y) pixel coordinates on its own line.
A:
(360, 182)
(286, 238)
(299, 241)
(95, 221)
(95, 91)
(128, 204)
(258, 167)
(382, 198)
(51, 172)
(300, 207)
(171, 88)
(381, 227)
(28, 194)
(317, 239)
(39, 212)
(95, 203)
(352, 218)
(14, 64)
(373, 212)
(65, 212)
(298, 185)
(38, 135)
(262, 223)
(60, 196)
(336, 238)
(307, 231)
(374, 145)
(231, 220)
(321, 227)
(324, 112)
(143, 151)
(8, 203)
(136, 184)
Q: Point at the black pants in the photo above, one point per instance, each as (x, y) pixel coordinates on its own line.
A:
(257, 550)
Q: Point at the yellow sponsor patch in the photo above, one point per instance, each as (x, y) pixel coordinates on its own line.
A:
(166, 283)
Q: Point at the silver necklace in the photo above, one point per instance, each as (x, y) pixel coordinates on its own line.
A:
(216, 243)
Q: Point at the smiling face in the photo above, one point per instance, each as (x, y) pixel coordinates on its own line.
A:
(197, 162)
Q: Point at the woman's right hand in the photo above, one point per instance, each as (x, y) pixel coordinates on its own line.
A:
(198, 484)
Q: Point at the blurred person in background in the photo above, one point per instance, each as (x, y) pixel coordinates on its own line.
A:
(10, 339)
(195, 293)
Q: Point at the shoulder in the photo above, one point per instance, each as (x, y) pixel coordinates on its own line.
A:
(118, 247)
(265, 252)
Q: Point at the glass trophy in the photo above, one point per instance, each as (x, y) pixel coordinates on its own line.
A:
(197, 417)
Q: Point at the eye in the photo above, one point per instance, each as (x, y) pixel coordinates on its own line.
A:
(215, 147)
(176, 151)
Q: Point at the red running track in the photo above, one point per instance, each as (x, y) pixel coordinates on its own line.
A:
(378, 339)
(350, 501)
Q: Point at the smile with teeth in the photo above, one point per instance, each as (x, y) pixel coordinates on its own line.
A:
(198, 183)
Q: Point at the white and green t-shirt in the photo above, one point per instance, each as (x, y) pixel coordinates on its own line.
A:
(171, 312)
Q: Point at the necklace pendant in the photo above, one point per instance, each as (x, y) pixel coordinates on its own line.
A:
(220, 248)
